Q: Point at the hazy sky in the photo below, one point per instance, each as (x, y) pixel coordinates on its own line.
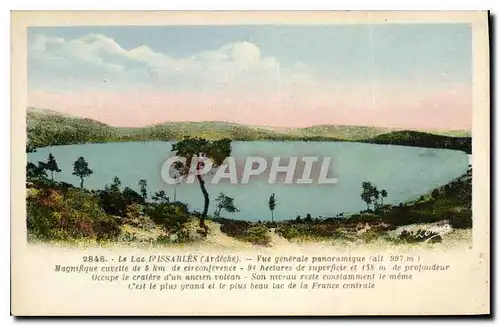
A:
(392, 75)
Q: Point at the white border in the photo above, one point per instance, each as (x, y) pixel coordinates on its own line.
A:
(184, 5)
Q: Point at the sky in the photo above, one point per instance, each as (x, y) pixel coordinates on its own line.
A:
(416, 76)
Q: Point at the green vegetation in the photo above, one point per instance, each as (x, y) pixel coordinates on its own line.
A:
(226, 203)
(48, 128)
(420, 139)
(56, 213)
(450, 204)
(255, 233)
(272, 205)
(81, 169)
(371, 195)
(50, 165)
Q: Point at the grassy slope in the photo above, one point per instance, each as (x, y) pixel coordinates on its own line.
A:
(47, 127)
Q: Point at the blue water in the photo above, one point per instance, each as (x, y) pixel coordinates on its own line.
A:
(405, 172)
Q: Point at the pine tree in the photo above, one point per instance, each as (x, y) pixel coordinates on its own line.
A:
(81, 169)
(272, 205)
(52, 166)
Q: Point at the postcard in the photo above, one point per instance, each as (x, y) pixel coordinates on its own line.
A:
(319, 163)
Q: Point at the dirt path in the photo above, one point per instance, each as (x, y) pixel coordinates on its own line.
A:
(217, 239)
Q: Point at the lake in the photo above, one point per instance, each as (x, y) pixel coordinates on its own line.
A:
(405, 173)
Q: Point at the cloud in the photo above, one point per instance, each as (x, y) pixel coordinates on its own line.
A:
(98, 61)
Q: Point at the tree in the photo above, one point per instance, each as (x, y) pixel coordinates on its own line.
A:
(35, 172)
(370, 195)
(143, 184)
(366, 194)
(115, 201)
(272, 205)
(375, 197)
(51, 166)
(435, 193)
(115, 185)
(30, 148)
(81, 169)
(225, 203)
(383, 193)
(197, 149)
(112, 199)
(131, 197)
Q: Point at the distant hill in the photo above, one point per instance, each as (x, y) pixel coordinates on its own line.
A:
(421, 139)
(49, 128)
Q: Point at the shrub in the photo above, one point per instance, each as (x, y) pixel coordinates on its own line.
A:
(435, 193)
(168, 215)
(163, 239)
(127, 237)
(40, 221)
(271, 224)
(258, 235)
(233, 228)
(340, 233)
(76, 214)
(461, 220)
(245, 231)
(134, 216)
(324, 229)
(106, 228)
(287, 231)
(370, 235)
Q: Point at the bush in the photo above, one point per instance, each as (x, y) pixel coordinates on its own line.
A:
(287, 231)
(370, 235)
(271, 224)
(324, 230)
(134, 216)
(405, 216)
(435, 193)
(258, 235)
(233, 228)
(76, 214)
(168, 215)
(106, 228)
(245, 231)
(461, 220)
(115, 201)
